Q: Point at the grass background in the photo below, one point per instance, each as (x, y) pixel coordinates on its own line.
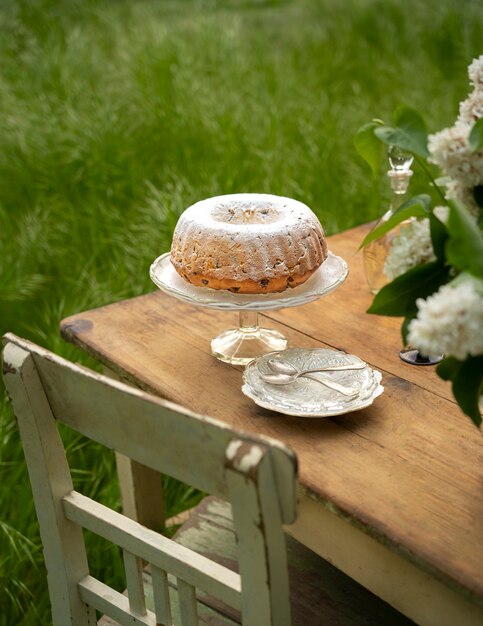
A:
(116, 115)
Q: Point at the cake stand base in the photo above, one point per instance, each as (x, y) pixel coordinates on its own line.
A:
(241, 345)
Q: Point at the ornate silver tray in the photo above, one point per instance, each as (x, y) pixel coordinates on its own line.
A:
(330, 275)
(308, 398)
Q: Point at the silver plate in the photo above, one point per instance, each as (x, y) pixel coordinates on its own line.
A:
(305, 397)
(330, 275)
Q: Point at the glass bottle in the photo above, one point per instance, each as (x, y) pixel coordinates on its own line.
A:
(375, 254)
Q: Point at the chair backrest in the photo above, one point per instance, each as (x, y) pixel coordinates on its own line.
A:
(256, 475)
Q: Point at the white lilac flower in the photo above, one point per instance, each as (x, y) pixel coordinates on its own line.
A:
(410, 247)
(475, 72)
(442, 213)
(449, 322)
(471, 109)
(451, 151)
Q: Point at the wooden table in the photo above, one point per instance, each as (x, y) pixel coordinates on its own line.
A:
(392, 494)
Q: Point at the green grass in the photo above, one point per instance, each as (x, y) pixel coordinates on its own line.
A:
(115, 116)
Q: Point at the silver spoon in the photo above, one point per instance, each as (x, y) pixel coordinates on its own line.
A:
(286, 379)
(283, 367)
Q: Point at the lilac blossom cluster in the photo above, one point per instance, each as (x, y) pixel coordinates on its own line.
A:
(450, 148)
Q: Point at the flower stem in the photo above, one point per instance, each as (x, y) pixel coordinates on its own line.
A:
(421, 163)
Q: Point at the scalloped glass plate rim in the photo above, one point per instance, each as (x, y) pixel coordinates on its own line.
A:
(161, 272)
(349, 408)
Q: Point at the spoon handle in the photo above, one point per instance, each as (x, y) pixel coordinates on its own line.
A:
(335, 368)
(346, 391)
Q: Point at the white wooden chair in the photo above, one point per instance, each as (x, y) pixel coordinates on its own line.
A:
(256, 475)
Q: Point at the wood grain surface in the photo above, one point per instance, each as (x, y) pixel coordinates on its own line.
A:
(406, 470)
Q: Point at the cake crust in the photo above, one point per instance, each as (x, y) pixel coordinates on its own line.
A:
(248, 243)
(265, 285)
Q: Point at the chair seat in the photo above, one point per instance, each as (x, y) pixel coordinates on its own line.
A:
(320, 594)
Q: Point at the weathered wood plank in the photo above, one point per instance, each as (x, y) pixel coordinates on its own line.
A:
(133, 568)
(187, 603)
(161, 600)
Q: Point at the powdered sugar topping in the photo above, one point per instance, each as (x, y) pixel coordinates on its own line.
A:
(248, 213)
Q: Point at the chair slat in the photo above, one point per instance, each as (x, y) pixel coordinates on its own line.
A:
(187, 604)
(154, 548)
(262, 556)
(105, 599)
(162, 606)
(134, 579)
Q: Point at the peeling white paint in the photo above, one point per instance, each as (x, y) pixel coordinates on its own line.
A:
(233, 448)
(244, 460)
(250, 459)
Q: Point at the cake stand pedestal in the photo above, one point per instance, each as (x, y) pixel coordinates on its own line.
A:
(239, 346)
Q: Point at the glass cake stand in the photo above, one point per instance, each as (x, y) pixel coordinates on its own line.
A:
(239, 346)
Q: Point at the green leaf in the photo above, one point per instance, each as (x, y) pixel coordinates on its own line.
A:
(476, 136)
(405, 329)
(464, 248)
(448, 368)
(414, 207)
(468, 385)
(398, 298)
(409, 132)
(439, 236)
(369, 146)
(467, 379)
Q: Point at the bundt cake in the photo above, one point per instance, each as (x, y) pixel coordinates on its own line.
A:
(248, 243)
